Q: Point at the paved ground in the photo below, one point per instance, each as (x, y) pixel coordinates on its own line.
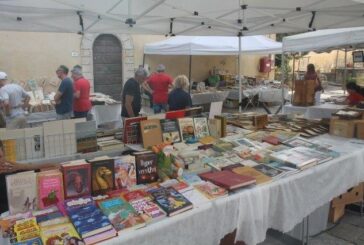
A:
(349, 231)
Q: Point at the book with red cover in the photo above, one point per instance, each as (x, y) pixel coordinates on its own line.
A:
(175, 114)
(76, 179)
(136, 194)
(131, 130)
(228, 179)
(273, 140)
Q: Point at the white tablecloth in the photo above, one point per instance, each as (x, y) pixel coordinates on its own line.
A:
(279, 205)
(106, 113)
(208, 97)
(313, 112)
(265, 94)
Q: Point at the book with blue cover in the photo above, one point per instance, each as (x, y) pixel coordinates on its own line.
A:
(35, 241)
(170, 200)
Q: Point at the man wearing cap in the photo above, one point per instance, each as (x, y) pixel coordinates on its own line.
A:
(15, 101)
(131, 97)
(81, 89)
(64, 95)
(158, 85)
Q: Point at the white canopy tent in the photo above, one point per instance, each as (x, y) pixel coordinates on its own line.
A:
(213, 45)
(323, 40)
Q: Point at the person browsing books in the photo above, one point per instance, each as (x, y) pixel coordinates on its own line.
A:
(8, 167)
(158, 85)
(64, 94)
(178, 98)
(15, 101)
(311, 74)
(81, 87)
(354, 96)
(131, 97)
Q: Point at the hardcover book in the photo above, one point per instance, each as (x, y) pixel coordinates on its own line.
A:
(210, 190)
(201, 127)
(50, 188)
(76, 179)
(86, 140)
(151, 132)
(146, 167)
(22, 192)
(102, 175)
(249, 171)
(121, 214)
(228, 180)
(186, 128)
(56, 234)
(131, 130)
(170, 200)
(125, 172)
(170, 130)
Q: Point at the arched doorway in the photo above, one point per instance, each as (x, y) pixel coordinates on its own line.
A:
(107, 66)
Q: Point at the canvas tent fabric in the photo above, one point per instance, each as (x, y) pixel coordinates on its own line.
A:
(176, 17)
(323, 40)
(213, 45)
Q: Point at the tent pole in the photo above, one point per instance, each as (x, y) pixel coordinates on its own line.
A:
(189, 73)
(346, 70)
(283, 70)
(239, 74)
(293, 67)
(143, 60)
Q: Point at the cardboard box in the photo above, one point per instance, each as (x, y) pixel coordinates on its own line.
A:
(342, 128)
(353, 195)
(304, 93)
(360, 129)
(336, 213)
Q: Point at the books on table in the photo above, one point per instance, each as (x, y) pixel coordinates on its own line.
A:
(102, 175)
(146, 167)
(186, 128)
(170, 130)
(228, 180)
(210, 190)
(125, 172)
(250, 171)
(201, 127)
(76, 179)
(50, 188)
(151, 132)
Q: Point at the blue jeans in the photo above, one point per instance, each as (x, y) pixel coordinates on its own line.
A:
(159, 107)
(80, 114)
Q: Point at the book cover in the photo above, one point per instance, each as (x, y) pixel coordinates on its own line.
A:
(9, 149)
(34, 145)
(201, 127)
(50, 188)
(194, 111)
(102, 175)
(186, 128)
(250, 171)
(147, 209)
(228, 180)
(60, 234)
(175, 114)
(131, 130)
(210, 190)
(170, 200)
(86, 140)
(22, 192)
(125, 172)
(135, 195)
(151, 132)
(215, 128)
(170, 130)
(191, 178)
(100, 237)
(146, 167)
(268, 170)
(14, 143)
(121, 214)
(223, 125)
(76, 179)
(34, 241)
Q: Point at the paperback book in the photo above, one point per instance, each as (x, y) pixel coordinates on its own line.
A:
(125, 172)
(186, 128)
(170, 130)
(60, 234)
(146, 167)
(102, 175)
(210, 190)
(151, 132)
(76, 179)
(50, 188)
(201, 127)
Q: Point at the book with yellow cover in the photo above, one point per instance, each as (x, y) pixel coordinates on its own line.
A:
(59, 234)
(249, 171)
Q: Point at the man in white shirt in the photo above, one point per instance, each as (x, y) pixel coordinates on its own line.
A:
(14, 101)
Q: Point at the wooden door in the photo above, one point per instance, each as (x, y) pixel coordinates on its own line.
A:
(107, 64)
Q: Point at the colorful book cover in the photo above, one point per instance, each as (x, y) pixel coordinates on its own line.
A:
(86, 140)
(186, 128)
(170, 200)
(60, 234)
(121, 214)
(125, 172)
(50, 188)
(147, 209)
(76, 179)
(103, 175)
(210, 190)
(170, 130)
(22, 192)
(146, 167)
(201, 127)
(131, 130)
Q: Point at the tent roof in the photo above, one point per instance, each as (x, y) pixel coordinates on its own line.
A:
(179, 17)
(323, 40)
(213, 45)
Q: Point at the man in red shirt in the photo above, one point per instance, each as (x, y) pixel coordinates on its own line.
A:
(81, 87)
(158, 85)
